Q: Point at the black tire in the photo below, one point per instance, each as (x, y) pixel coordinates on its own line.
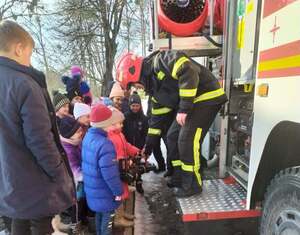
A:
(281, 209)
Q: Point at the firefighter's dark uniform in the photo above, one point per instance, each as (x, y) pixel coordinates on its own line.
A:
(181, 85)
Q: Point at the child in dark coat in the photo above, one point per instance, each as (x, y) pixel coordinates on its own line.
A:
(101, 176)
(61, 105)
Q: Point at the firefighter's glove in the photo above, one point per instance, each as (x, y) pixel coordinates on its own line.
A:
(180, 118)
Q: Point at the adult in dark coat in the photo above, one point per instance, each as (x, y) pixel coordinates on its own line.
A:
(36, 181)
(136, 123)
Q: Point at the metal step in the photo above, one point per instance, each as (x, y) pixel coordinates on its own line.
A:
(220, 199)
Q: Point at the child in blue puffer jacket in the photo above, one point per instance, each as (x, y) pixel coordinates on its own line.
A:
(100, 169)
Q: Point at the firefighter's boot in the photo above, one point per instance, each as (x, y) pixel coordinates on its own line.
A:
(175, 179)
(161, 168)
(139, 187)
(168, 173)
(189, 186)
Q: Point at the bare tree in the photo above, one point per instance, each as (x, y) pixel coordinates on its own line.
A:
(15, 8)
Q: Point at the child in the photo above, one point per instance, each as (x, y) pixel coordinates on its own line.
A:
(71, 135)
(123, 150)
(78, 73)
(61, 105)
(73, 91)
(101, 176)
(82, 115)
(35, 180)
(117, 96)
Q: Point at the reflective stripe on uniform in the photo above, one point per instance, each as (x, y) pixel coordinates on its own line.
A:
(196, 148)
(154, 100)
(188, 168)
(160, 111)
(209, 95)
(184, 167)
(154, 131)
(161, 75)
(176, 163)
(177, 65)
(187, 92)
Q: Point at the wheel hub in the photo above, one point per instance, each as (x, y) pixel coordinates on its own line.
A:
(287, 223)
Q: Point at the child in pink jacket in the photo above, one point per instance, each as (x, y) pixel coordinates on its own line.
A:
(123, 150)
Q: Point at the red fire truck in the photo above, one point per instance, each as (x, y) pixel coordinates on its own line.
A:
(254, 48)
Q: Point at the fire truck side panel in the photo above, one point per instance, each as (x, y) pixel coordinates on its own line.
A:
(277, 96)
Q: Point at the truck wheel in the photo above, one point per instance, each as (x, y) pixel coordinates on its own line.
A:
(281, 209)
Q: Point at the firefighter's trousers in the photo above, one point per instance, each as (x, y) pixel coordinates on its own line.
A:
(184, 144)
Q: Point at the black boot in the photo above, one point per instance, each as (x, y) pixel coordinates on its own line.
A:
(168, 173)
(160, 169)
(189, 187)
(175, 179)
(139, 187)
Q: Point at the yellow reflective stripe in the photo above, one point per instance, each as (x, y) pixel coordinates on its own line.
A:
(154, 100)
(177, 65)
(281, 63)
(160, 111)
(187, 92)
(154, 131)
(196, 148)
(161, 75)
(185, 167)
(209, 95)
(176, 163)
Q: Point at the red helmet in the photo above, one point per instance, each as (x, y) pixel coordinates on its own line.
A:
(129, 69)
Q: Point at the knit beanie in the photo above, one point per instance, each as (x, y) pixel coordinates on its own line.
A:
(116, 90)
(84, 88)
(107, 101)
(102, 117)
(81, 110)
(76, 70)
(134, 99)
(68, 127)
(59, 100)
(72, 86)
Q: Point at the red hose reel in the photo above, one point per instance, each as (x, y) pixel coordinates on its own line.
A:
(182, 18)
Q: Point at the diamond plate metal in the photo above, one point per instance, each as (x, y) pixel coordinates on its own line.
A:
(215, 197)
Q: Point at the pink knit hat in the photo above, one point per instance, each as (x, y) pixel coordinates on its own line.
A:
(102, 116)
(116, 90)
(76, 70)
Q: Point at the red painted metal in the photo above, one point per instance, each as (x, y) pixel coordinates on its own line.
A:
(181, 29)
(229, 180)
(220, 215)
(286, 50)
(272, 6)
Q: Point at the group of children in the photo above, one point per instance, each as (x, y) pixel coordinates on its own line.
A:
(92, 136)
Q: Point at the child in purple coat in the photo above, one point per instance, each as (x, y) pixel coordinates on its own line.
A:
(71, 135)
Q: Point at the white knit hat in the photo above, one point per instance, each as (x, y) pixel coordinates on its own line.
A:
(81, 110)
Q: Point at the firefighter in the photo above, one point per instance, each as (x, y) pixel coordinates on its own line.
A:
(177, 84)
